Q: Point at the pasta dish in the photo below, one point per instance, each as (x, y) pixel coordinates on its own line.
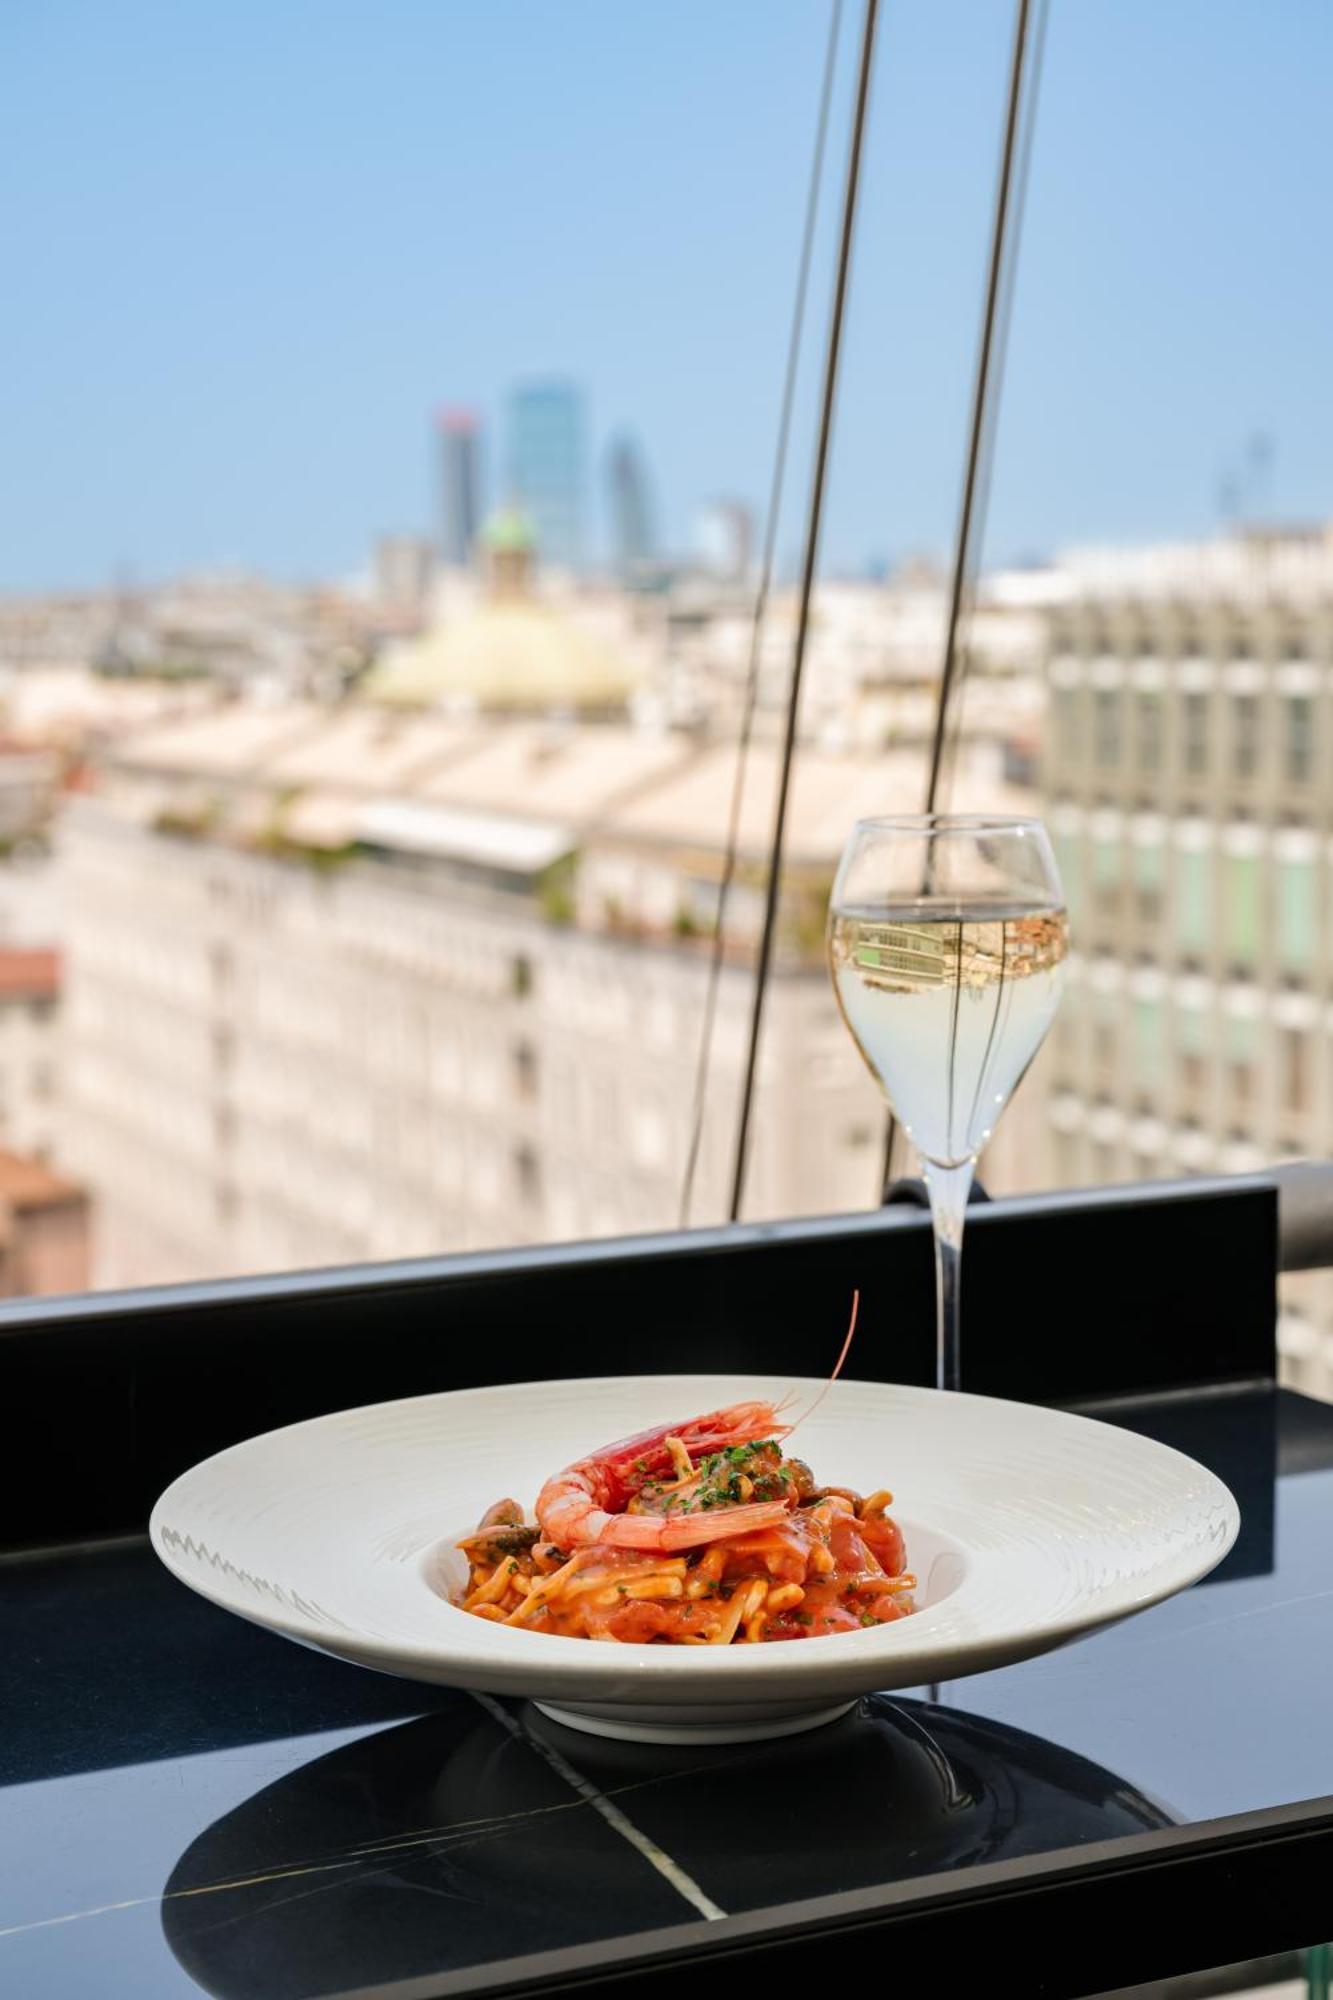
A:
(699, 1534)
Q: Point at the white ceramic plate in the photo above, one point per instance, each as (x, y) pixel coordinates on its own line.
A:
(1027, 1528)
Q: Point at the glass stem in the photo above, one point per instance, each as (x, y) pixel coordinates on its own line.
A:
(948, 1188)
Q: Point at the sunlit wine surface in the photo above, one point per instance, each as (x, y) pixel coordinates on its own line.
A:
(948, 1003)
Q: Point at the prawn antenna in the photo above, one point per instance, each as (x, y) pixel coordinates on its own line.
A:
(837, 1366)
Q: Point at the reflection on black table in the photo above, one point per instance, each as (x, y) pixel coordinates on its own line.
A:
(438, 1845)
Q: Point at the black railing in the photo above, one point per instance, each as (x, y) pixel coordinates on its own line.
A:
(1068, 1298)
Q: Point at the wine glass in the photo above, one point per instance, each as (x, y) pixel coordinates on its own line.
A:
(946, 942)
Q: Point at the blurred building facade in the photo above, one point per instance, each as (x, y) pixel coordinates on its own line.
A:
(1189, 789)
(372, 984)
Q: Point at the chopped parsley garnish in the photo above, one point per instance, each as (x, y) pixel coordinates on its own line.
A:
(720, 1474)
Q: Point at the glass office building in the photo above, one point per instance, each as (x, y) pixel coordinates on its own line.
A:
(546, 467)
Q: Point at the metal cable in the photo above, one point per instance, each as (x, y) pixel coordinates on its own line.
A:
(814, 520)
(767, 561)
(1003, 320)
(1006, 232)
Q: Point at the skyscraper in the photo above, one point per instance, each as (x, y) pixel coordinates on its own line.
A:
(724, 532)
(546, 466)
(632, 536)
(460, 485)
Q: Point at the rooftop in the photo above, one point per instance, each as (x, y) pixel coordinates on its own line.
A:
(236, 741)
(828, 792)
(368, 749)
(574, 773)
(350, 773)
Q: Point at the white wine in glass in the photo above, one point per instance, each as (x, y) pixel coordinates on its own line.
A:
(947, 938)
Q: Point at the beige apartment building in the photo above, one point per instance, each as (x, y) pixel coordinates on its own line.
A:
(344, 984)
(1189, 788)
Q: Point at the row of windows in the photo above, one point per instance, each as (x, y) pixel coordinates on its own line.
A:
(1135, 727)
(1185, 642)
(1259, 913)
(1157, 1044)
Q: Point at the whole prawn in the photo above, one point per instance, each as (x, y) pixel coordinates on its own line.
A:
(584, 1505)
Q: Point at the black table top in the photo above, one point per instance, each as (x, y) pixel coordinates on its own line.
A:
(190, 1804)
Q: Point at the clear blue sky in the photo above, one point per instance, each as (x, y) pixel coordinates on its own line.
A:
(248, 247)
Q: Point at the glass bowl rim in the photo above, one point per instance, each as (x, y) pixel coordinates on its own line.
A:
(933, 824)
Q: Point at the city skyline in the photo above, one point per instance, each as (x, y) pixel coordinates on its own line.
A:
(230, 363)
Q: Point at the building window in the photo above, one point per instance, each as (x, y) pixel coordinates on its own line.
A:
(1295, 915)
(1067, 732)
(520, 976)
(1193, 902)
(1148, 882)
(1195, 718)
(1106, 727)
(1104, 1033)
(1106, 875)
(1242, 1056)
(1294, 1069)
(1243, 910)
(1069, 860)
(1148, 709)
(525, 1071)
(527, 1174)
(1192, 1026)
(1299, 759)
(1245, 735)
(1149, 1043)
